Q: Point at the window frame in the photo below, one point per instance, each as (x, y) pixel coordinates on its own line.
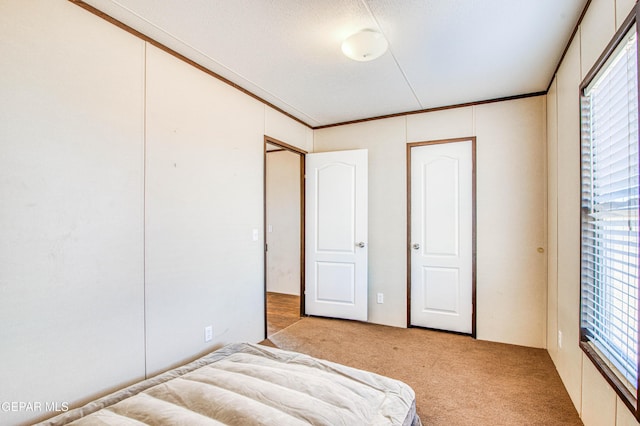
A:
(602, 365)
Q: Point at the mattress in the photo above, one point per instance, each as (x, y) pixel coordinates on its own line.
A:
(245, 384)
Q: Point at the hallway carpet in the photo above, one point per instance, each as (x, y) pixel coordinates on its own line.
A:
(457, 380)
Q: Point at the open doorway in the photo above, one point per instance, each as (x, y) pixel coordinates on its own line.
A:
(284, 167)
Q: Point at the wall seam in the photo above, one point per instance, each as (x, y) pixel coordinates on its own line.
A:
(546, 219)
(557, 215)
(144, 203)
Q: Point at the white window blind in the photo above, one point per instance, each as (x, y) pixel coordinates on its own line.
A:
(609, 168)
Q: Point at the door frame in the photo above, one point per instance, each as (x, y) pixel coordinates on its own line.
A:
(473, 226)
(302, 153)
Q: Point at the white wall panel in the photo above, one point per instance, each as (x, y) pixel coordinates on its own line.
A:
(596, 30)
(569, 359)
(385, 140)
(446, 124)
(623, 8)
(510, 198)
(71, 215)
(598, 399)
(623, 414)
(552, 220)
(279, 126)
(204, 198)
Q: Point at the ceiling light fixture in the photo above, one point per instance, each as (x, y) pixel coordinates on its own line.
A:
(365, 45)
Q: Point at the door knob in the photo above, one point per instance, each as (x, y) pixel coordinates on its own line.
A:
(361, 244)
(416, 246)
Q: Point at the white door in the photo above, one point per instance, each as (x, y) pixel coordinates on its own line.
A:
(336, 234)
(442, 236)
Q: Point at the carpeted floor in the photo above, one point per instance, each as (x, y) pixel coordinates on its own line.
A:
(457, 380)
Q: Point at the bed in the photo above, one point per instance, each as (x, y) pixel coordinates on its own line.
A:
(246, 384)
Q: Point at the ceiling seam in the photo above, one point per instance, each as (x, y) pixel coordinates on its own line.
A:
(395, 60)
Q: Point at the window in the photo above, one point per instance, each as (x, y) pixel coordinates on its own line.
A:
(609, 215)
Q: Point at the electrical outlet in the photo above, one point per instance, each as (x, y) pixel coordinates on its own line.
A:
(559, 339)
(380, 297)
(208, 333)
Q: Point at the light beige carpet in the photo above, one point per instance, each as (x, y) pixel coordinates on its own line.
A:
(457, 380)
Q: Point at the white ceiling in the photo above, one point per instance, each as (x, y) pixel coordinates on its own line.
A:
(441, 52)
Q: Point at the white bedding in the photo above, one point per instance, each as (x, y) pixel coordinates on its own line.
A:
(244, 384)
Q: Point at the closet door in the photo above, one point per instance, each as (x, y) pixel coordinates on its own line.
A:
(441, 252)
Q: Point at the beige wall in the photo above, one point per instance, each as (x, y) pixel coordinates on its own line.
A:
(511, 196)
(131, 186)
(71, 209)
(203, 201)
(283, 222)
(282, 128)
(594, 399)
